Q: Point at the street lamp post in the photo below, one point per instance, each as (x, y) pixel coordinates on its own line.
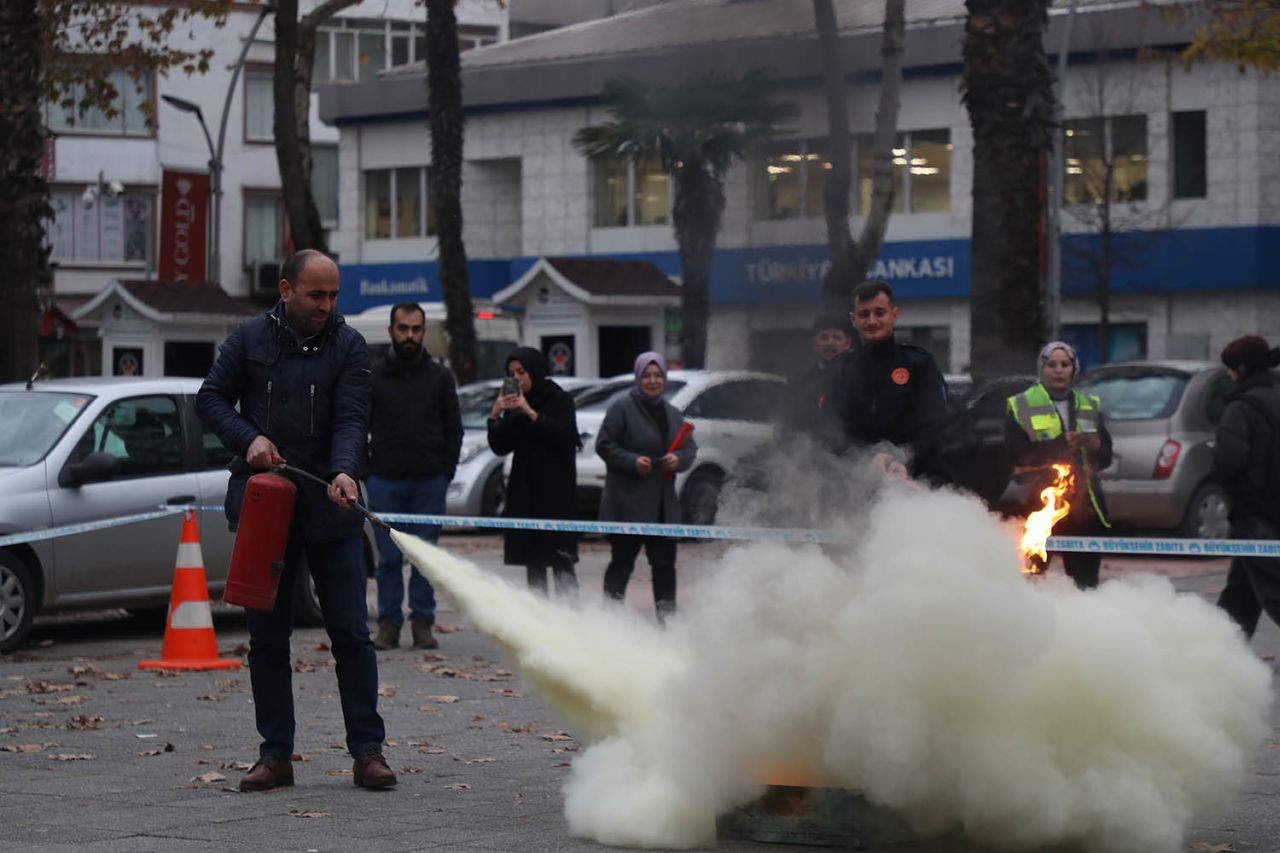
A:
(215, 152)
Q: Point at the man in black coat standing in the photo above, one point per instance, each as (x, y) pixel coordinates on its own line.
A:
(802, 403)
(883, 390)
(415, 437)
(300, 375)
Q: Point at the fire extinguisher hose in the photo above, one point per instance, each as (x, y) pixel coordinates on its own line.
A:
(282, 468)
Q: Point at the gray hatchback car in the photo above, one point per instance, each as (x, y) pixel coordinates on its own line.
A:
(80, 450)
(1162, 416)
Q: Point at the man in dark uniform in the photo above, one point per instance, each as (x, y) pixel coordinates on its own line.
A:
(802, 402)
(301, 378)
(883, 390)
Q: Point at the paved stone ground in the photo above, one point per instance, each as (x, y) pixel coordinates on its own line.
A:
(95, 754)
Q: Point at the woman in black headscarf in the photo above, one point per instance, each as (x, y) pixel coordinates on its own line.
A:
(1246, 461)
(539, 426)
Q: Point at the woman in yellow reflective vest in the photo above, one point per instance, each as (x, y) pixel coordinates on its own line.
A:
(1052, 423)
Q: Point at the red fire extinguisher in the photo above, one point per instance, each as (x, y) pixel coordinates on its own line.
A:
(257, 559)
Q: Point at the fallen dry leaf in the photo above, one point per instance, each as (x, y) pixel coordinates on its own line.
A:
(485, 760)
(506, 691)
(442, 628)
(387, 690)
(84, 721)
(49, 687)
(1204, 847)
(307, 813)
(503, 673)
(518, 730)
(436, 656)
(235, 765)
(209, 778)
(209, 697)
(72, 756)
(27, 747)
(459, 786)
(444, 699)
(87, 669)
(115, 676)
(72, 699)
(339, 773)
(432, 750)
(557, 736)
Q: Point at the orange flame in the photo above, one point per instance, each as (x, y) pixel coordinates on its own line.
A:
(1040, 523)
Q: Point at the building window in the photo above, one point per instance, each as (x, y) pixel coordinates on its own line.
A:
(265, 229)
(397, 204)
(921, 172)
(1189, 155)
(106, 229)
(129, 113)
(1105, 152)
(353, 49)
(790, 180)
(630, 192)
(259, 105)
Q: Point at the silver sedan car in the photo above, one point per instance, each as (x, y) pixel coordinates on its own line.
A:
(81, 450)
(1162, 416)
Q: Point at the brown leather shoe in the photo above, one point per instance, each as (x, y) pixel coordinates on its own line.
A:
(388, 636)
(422, 636)
(268, 772)
(371, 771)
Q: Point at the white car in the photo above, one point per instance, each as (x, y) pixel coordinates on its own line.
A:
(88, 449)
(732, 413)
(479, 485)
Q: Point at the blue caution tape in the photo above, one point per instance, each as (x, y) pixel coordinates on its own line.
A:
(85, 527)
(1166, 547)
(677, 531)
(1088, 544)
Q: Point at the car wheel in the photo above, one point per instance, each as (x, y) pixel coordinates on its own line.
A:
(1207, 514)
(701, 496)
(306, 604)
(17, 601)
(494, 497)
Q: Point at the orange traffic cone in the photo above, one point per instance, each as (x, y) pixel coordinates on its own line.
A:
(188, 635)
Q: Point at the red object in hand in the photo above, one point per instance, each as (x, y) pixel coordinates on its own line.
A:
(257, 558)
(681, 439)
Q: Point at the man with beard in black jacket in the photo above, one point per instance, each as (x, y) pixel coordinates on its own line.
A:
(883, 390)
(415, 437)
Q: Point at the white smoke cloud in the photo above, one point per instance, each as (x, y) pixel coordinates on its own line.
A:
(917, 667)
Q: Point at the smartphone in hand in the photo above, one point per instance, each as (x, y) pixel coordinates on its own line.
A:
(510, 386)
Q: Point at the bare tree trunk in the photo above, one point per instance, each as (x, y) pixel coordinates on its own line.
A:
(883, 187)
(295, 53)
(1104, 279)
(1008, 93)
(696, 214)
(444, 98)
(24, 195)
(849, 260)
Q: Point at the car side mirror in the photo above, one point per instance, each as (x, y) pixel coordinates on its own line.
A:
(94, 468)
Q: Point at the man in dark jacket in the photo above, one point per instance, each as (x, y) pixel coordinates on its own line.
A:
(1246, 461)
(883, 390)
(301, 378)
(415, 437)
(802, 402)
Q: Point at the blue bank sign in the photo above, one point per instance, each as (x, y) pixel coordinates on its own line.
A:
(1149, 262)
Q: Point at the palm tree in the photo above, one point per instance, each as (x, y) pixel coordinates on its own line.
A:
(1008, 90)
(24, 195)
(696, 131)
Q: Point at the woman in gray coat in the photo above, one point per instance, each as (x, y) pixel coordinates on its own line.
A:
(634, 442)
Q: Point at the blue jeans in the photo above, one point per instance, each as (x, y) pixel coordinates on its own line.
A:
(338, 570)
(423, 496)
